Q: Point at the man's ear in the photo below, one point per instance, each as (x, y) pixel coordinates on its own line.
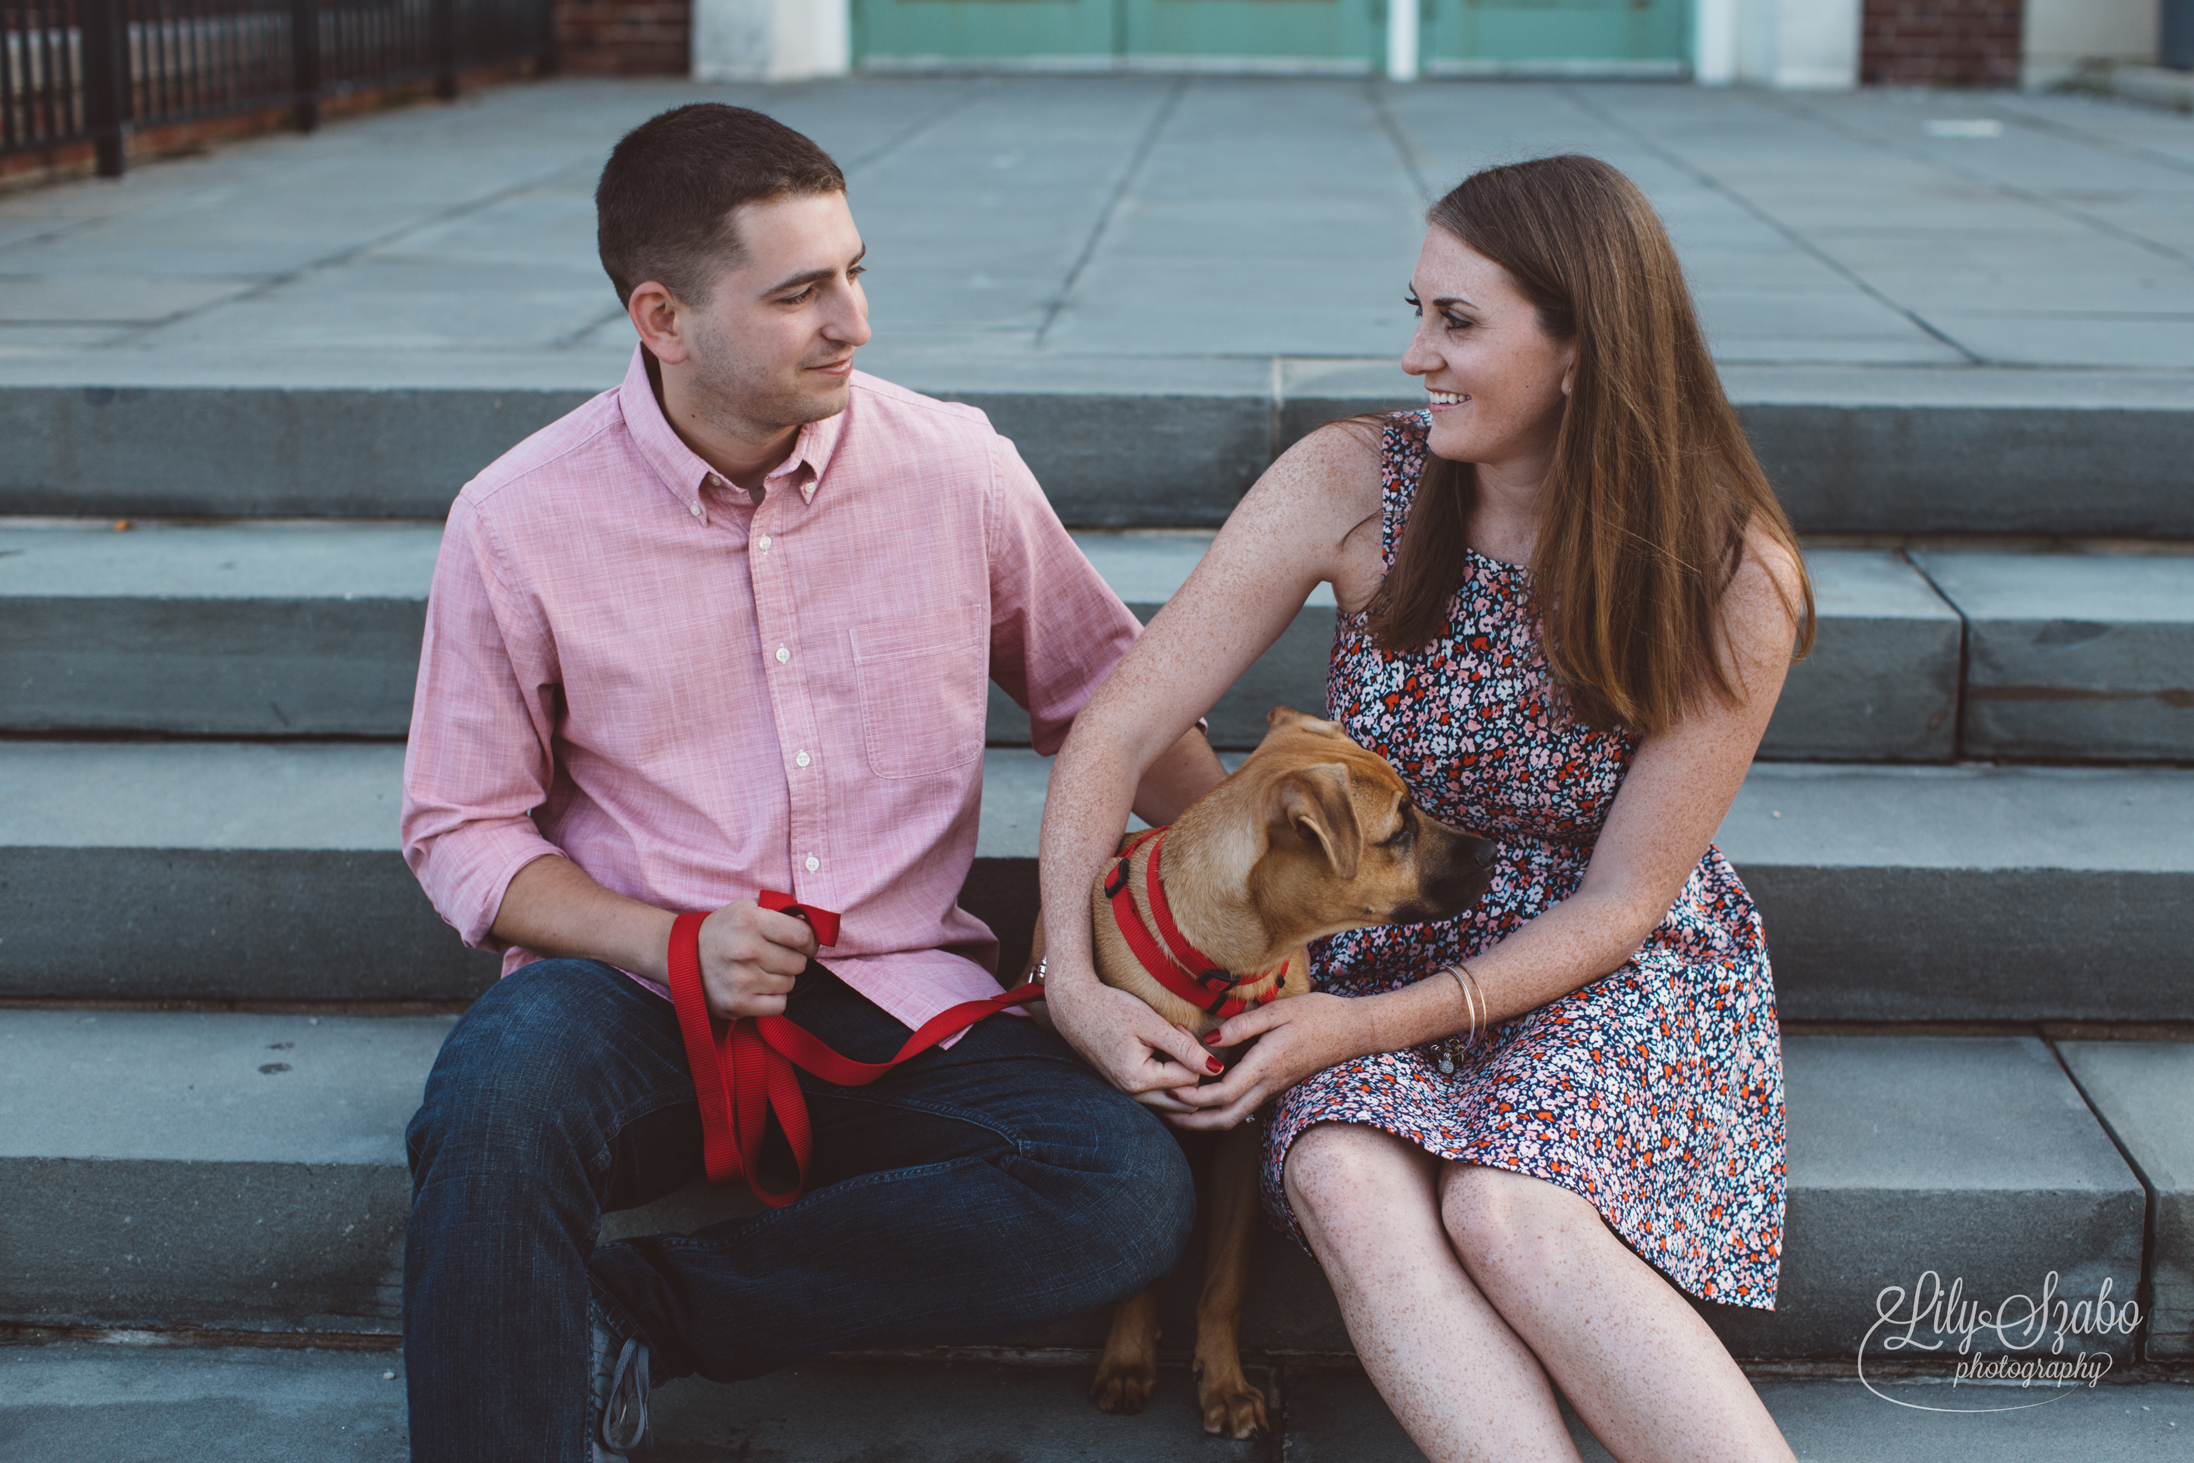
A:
(658, 317)
(1312, 803)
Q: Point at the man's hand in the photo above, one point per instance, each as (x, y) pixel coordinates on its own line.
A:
(1130, 1045)
(749, 957)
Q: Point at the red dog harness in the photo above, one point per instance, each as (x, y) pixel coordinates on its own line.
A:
(1189, 973)
(743, 1072)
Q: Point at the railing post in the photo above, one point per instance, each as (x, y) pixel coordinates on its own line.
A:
(445, 49)
(104, 56)
(304, 60)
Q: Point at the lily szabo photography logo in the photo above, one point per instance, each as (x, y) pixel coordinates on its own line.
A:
(2047, 1342)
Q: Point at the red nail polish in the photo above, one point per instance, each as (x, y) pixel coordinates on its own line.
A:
(1211, 1037)
(1216, 1066)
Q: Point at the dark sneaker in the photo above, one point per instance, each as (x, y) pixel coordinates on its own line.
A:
(617, 1404)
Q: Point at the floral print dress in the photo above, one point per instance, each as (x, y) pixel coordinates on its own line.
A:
(1655, 1092)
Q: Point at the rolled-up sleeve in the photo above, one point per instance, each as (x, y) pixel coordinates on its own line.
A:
(480, 758)
(1056, 627)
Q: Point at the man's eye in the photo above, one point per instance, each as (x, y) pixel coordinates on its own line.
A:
(857, 271)
(800, 298)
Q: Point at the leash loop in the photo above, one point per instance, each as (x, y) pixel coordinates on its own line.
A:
(746, 1072)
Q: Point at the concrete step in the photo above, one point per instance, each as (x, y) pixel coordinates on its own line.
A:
(271, 872)
(314, 629)
(236, 1171)
(2144, 1091)
(134, 1403)
(1117, 441)
(2077, 657)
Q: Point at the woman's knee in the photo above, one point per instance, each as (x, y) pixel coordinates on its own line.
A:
(1335, 1171)
(1510, 1230)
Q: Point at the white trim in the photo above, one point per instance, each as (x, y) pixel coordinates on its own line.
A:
(1556, 68)
(1401, 40)
(1714, 42)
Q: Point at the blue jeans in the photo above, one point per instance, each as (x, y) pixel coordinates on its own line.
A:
(969, 1195)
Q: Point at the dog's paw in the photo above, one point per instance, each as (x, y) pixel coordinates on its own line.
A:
(1123, 1387)
(1232, 1408)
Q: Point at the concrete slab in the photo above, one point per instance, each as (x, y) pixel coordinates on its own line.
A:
(1973, 1159)
(2143, 1092)
(136, 1403)
(2074, 656)
(299, 629)
(1029, 230)
(1339, 1416)
(269, 1199)
(214, 631)
(218, 1170)
(220, 871)
(133, 1403)
(1968, 893)
(271, 872)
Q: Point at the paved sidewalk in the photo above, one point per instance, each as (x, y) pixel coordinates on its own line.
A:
(133, 1404)
(1156, 231)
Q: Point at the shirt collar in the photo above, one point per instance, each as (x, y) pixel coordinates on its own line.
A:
(682, 471)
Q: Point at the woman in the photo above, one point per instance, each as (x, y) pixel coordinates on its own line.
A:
(1568, 601)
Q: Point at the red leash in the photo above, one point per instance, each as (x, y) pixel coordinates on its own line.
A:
(1189, 973)
(743, 1073)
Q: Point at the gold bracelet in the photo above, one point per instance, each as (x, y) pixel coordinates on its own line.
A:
(1473, 997)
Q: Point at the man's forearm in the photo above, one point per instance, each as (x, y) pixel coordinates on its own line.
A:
(1182, 773)
(552, 908)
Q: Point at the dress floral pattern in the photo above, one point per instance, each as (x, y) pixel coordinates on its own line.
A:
(1655, 1092)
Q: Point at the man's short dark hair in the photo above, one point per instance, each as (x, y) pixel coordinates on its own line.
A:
(663, 208)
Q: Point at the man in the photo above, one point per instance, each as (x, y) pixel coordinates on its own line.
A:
(727, 628)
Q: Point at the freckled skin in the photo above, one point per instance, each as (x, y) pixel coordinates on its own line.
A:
(1470, 1294)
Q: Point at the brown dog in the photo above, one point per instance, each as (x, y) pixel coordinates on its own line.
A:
(1311, 836)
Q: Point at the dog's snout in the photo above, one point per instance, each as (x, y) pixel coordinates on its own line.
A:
(1482, 854)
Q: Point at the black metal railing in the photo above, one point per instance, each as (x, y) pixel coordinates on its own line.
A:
(91, 70)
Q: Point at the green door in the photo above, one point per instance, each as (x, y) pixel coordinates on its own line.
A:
(1343, 34)
(1470, 35)
(1346, 33)
(984, 30)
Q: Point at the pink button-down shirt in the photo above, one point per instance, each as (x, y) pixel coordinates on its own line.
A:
(694, 696)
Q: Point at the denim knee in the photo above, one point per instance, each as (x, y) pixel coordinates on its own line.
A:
(1139, 1205)
(510, 1088)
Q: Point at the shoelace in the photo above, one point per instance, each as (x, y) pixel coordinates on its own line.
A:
(625, 1410)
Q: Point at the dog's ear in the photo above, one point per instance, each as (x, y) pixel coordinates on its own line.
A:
(1313, 804)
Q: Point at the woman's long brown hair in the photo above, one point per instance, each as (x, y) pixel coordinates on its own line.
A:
(1652, 484)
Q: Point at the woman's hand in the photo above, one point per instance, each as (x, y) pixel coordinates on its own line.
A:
(1295, 1038)
(1131, 1046)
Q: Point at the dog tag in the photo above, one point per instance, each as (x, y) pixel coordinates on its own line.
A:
(1447, 1065)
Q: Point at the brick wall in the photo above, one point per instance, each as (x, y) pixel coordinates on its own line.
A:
(1940, 43)
(624, 37)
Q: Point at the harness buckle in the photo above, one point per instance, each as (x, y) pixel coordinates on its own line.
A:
(1116, 880)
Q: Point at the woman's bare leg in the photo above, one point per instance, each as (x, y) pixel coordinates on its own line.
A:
(1458, 1379)
(1642, 1369)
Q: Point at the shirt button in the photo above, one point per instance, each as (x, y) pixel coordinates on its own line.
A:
(783, 655)
(765, 543)
(696, 509)
(800, 759)
(814, 863)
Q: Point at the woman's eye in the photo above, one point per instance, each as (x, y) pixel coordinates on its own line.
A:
(1416, 306)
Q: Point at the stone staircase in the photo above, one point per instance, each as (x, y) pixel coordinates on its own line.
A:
(1971, 832)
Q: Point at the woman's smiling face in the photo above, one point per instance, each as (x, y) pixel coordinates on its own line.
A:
(1496, 378)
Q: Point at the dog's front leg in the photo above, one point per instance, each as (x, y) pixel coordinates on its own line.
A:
(1129, 1368)
(1231, 1405)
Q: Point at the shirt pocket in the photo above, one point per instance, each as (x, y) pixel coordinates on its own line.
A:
(921, 681)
